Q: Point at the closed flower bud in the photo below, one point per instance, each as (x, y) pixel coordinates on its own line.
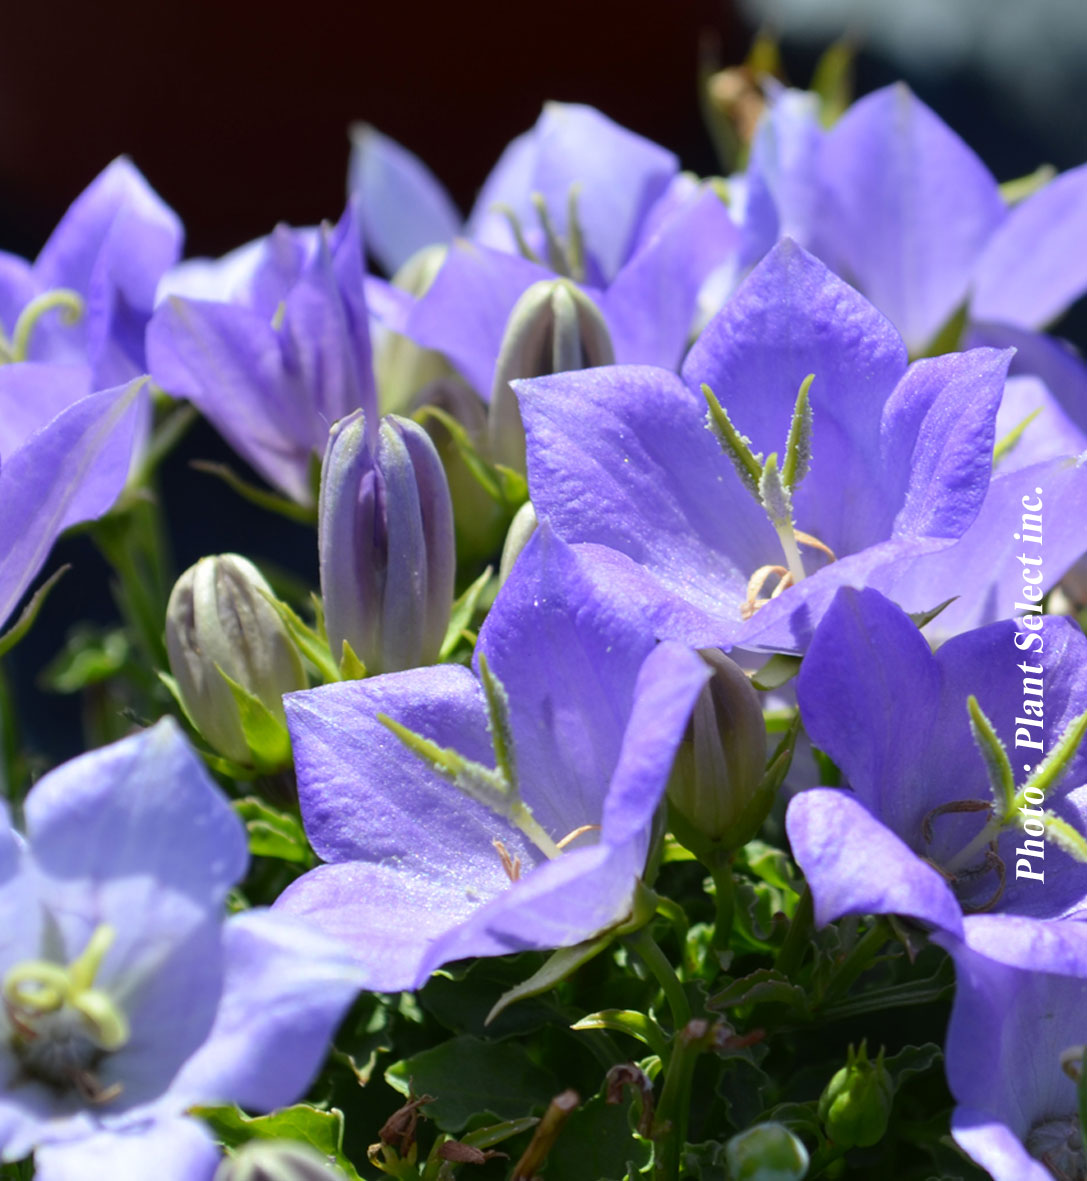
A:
(766, 1152)
(385, 539)
(221, 628)
(554, 327)
(856, 1104)
(716, 785)
(277, 1160)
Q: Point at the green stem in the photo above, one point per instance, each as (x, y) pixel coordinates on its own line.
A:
(724, 895)
(858, 960)
(658, 964)
(673, 1111)
(799, 936)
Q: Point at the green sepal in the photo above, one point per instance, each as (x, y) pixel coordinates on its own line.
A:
(265, 735)
(175, 692)
(1008, 442)
(777, 671)
(1019, 188)
(261, 497)
(1065, 837)
(631, 1022)
(921, 618)
(997, 765)
(464, 608)
(30, 612)
(556, 968)
(273, 833)
(798, 445)
(737, 447)
(832, 80)
(351, 667)
(948, 338)
(308, 640)
(507, 488)
(322, 1130)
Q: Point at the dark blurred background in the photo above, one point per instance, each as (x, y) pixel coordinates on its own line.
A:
(237, 113)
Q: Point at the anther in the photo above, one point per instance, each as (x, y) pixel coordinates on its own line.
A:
(512, 865)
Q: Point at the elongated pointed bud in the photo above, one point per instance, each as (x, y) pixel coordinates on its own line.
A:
(715, 789)
(277, 1160)
(766, 1152)
(385, 542)
(232, 659)
(554, 327)
(856, 1104)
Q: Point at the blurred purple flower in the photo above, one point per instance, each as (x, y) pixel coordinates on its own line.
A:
(126, 997)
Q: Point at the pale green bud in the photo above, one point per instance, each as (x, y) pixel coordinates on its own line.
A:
(856, 1104)
(221, 628)
(766, 1152)
(716, 785)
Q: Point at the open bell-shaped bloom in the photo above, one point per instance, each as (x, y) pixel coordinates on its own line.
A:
(1015, 1046)
(562, 738)
(621, 462)
(126, 994)
(921, 829)
(272, 344)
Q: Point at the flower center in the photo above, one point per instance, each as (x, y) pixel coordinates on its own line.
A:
(62, 1027)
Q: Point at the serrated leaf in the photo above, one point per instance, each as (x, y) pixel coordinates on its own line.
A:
(464, 608)
(468, 1076)
(777, 671)
(322, 1130)
(558, 966)
(628, 1021)
(265, 735)
(912, 1060)
(30, 612)
(765, 986)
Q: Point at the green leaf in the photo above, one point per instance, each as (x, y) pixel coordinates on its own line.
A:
(777, 671)
(30, 612)
(494, 1134)
(468, 1076)
(628, 1021)
(273, 833)
(912, 1060)
(596, 1144)
(558, 966)
(764, 986)
(463, 611)
(261, 497)
(89, 656)
(322, 1130)
(265, 735)
(995, 756)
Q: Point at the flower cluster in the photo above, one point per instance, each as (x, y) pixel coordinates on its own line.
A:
(803, 421)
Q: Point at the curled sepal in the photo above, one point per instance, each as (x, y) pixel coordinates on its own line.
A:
(737, 447)
(997, 764)
(798, 446)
